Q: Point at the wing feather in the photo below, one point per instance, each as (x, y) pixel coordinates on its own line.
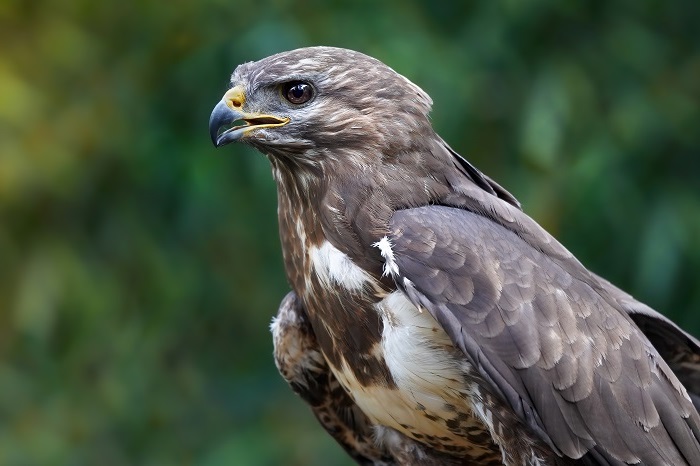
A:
(552, 340)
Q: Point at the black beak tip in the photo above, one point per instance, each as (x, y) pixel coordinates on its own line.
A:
(213, 134)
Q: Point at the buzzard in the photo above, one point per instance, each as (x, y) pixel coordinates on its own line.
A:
(430, 320)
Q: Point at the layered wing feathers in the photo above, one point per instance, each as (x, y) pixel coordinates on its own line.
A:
(547, 337)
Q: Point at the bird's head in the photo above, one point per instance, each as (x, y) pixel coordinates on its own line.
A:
(314, 103)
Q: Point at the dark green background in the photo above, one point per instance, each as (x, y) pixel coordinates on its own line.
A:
(139, 267)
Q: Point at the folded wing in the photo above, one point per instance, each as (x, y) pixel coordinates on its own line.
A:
(557, 344)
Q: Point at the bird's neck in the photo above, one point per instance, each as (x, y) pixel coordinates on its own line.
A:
(339, 287)
(298, 202)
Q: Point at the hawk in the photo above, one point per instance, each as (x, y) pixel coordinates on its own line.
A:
(431, 321)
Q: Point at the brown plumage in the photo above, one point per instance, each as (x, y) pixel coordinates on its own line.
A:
(431, 321)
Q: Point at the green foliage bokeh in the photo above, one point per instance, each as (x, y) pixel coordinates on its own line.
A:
(139, 267)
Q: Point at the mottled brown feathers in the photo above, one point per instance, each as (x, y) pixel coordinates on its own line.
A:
(431, 320)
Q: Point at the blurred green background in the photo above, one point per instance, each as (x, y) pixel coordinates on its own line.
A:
(139, 267)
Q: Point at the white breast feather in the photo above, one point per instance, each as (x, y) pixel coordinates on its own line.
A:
(390, 266)
(427, 375)
(335, 268)
(414, 347)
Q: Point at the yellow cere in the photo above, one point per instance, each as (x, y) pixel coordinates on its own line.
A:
(235, 97)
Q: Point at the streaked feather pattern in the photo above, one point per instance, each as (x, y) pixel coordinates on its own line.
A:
(431, 320)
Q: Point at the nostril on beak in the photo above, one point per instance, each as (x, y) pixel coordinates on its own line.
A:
(235, 98)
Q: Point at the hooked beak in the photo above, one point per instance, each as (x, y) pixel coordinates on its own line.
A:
(229, 123)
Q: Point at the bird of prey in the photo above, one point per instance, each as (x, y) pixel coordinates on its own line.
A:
(431, 321)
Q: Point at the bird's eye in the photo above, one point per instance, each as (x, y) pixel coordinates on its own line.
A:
(297, 92)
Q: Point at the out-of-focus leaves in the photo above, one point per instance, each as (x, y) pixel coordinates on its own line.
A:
(139, 267)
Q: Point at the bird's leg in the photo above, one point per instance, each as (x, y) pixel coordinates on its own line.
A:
(301, 363)
(408, 452)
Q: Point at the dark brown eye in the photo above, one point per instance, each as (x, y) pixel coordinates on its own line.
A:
(297, 92)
